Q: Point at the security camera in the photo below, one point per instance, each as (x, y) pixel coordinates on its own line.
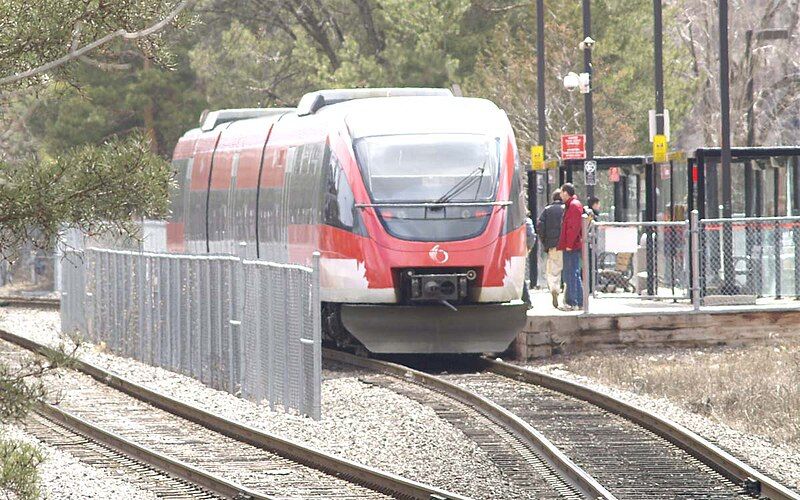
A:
(587, 43)
(572, 81)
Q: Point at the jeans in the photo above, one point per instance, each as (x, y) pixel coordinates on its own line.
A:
(572, 277)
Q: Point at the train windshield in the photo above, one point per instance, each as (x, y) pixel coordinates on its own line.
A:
(429, 167)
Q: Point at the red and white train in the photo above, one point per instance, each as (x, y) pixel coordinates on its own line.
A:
(413, 197)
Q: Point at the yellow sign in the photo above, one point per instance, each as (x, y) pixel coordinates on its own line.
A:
(677, 156)
(537, 158)
(659, 148)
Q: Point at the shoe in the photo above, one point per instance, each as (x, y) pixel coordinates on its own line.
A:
(554, 293)
(566, 307)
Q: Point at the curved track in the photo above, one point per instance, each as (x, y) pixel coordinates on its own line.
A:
(527, 458)
(661, 459)
(629, 451)
(264, 463)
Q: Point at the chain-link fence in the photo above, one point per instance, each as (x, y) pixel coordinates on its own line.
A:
(249, 328)
(749, 258)
(640, 259)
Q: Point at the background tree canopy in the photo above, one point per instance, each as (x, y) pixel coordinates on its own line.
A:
(244, 53)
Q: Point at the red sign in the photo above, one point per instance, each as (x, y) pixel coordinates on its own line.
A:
(573, 147)
(613, 174)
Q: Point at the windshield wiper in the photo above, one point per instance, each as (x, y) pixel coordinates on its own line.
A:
(463, 184)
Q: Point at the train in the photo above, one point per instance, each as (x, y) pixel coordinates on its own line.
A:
(413, 197)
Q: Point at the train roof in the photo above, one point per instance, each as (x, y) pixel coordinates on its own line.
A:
(209, 120)
(314, 101)
(373, 112)
(419, 115)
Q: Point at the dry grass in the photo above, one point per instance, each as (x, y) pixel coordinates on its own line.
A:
(754, 389)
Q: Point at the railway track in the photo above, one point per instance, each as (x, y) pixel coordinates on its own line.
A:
(263, 464)
(528, 459)
(145, 468)
(606, 435)
(630, 452)
(41, 302)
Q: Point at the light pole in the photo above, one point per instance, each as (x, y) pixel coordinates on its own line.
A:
(533, 262)
(587, 46)
(725, 110)
(542, 118)
(725, 143)
(658, 64)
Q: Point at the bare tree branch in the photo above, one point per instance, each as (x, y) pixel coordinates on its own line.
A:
(76, 52)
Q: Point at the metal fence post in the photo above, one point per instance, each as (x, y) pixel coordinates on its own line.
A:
(585, 271)
(694, 227)
(778, 241)
(316, 304)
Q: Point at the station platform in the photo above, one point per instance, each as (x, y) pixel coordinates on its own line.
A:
(614, 323)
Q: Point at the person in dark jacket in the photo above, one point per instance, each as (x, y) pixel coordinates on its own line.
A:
(571, 242)
(593, 208)
(548, 227)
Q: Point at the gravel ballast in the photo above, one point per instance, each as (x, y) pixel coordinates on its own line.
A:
(361, 422)
(64, 477)
(780, 462)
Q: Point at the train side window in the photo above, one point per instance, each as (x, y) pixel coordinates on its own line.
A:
(516, 212)
(339, 202)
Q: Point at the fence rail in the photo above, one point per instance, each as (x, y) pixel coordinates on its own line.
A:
(249, 328)
(754, 257)
(711, 261)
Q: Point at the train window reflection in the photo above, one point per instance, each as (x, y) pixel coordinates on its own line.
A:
(339, 202)
(416, 168)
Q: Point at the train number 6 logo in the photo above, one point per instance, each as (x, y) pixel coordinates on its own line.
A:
(438, 255)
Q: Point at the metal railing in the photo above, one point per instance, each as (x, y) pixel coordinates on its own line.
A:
(247, 327)
(713, 262)
(749, 258)
(639, 259)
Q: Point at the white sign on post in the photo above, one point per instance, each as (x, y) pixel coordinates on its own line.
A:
(651, 115)
(621, 239)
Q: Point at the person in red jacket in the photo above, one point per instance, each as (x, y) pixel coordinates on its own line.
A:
(571, 243)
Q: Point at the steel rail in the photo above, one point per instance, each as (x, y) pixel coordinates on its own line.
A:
(713, 456)
(571, 473)
(369, 477)
(154, 459)
(30, 302)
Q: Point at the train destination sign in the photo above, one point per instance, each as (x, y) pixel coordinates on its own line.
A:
(573, 147)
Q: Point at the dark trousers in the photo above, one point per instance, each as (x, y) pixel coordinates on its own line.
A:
(572, 278)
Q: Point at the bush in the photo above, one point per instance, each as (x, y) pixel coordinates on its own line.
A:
(18, 463)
